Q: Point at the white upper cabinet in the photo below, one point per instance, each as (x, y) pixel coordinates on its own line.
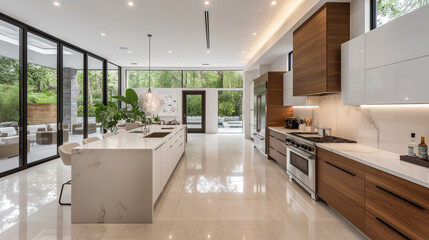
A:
(402, 39)
(393, 67)
(353, 71)
(404, 82)
(288, 98)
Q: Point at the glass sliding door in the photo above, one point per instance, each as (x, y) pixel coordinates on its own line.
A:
(230, 116)
(95, 94)
(42, 93)
(112, 82)
(72, 95)
(9, 100)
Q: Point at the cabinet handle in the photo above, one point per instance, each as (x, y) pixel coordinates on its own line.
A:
(181, 144)
(171, 146)
(403, 199)
(340, 169)
(392, 228)
(281, 154)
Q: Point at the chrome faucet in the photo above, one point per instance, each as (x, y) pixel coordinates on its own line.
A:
(146, 129)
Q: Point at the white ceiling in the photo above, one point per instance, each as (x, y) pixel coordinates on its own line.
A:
(176, 25)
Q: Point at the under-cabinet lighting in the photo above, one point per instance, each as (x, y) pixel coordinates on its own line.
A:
(131, 4)
(305, 107)
(396, 106)
(207, 3)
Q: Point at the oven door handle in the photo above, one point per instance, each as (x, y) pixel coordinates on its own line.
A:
(300, 152)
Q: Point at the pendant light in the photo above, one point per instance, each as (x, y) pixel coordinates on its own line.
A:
(151, 102)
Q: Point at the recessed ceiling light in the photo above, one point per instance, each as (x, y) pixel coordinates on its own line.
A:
(130, 3)
(103, 34)
(129, 51)
(254, 34)
(56, 3)
(205, 64)
(243, 52)
(169, 51)
(208, 51)
(273, 3)
(123, 48)
(206, 3)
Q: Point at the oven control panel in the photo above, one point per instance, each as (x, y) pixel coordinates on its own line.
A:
(301, 145)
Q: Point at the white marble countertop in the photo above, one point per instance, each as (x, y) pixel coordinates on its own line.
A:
(286, 130)
(130, 140)
(383, 160)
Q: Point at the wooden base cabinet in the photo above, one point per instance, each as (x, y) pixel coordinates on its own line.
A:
(381, 205)
(341, 184)
(401, 205)
(276, 149)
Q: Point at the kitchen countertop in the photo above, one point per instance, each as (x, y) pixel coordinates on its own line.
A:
(382, 160)
(286, 130)
(130, 140)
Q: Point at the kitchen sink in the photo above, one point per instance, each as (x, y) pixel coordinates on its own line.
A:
(157, 135)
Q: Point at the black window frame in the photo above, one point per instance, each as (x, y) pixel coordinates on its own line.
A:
(24, 29)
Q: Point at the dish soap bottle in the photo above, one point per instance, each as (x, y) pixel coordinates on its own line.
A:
(423, 150)
(412, 146)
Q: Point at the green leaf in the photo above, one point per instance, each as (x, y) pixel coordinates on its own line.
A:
(122, 98)
(131, 96)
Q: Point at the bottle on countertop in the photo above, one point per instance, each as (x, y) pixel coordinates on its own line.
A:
(412, 146)
(423, 150)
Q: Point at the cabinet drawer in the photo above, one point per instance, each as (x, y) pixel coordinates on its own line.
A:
(272, 141)
(272, 133)
(281, 159)
(376, 229)
(280, 147)
(346, 207)
(399, 203)
(344, 163)
(345, 182)
(272, 152)
(281, 136)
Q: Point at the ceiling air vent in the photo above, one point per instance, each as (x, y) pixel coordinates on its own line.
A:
(207, 22)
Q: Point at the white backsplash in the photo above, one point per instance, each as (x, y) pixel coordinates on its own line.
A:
(388, 128)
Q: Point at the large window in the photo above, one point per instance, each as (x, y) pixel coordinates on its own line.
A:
(112, 81)
(384, 11)
(95, 94)
(185, 79)
(9, 100)
(42, 90)
(230, 107)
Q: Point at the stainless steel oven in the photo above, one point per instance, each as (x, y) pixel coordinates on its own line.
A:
(301, 164)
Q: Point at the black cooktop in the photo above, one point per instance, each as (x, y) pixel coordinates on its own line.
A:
(320, 139)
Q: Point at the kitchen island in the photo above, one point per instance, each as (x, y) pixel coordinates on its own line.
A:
(118, 179)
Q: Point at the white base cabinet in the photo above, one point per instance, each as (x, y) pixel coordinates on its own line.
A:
(165, 159)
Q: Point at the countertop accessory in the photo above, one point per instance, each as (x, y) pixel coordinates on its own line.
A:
(324, 132)
(415, 160)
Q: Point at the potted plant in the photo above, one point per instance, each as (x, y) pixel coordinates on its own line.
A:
(131, 112)
(107, 115)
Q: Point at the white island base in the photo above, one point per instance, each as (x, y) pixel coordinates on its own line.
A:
(118, 179)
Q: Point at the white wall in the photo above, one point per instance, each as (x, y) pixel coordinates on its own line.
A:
(280, 64)
(359, 17)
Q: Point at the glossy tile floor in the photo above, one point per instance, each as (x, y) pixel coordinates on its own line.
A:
(221, 189)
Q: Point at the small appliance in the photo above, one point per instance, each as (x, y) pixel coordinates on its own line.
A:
(292, 123)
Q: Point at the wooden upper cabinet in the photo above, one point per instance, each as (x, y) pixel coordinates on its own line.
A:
(317, 50)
